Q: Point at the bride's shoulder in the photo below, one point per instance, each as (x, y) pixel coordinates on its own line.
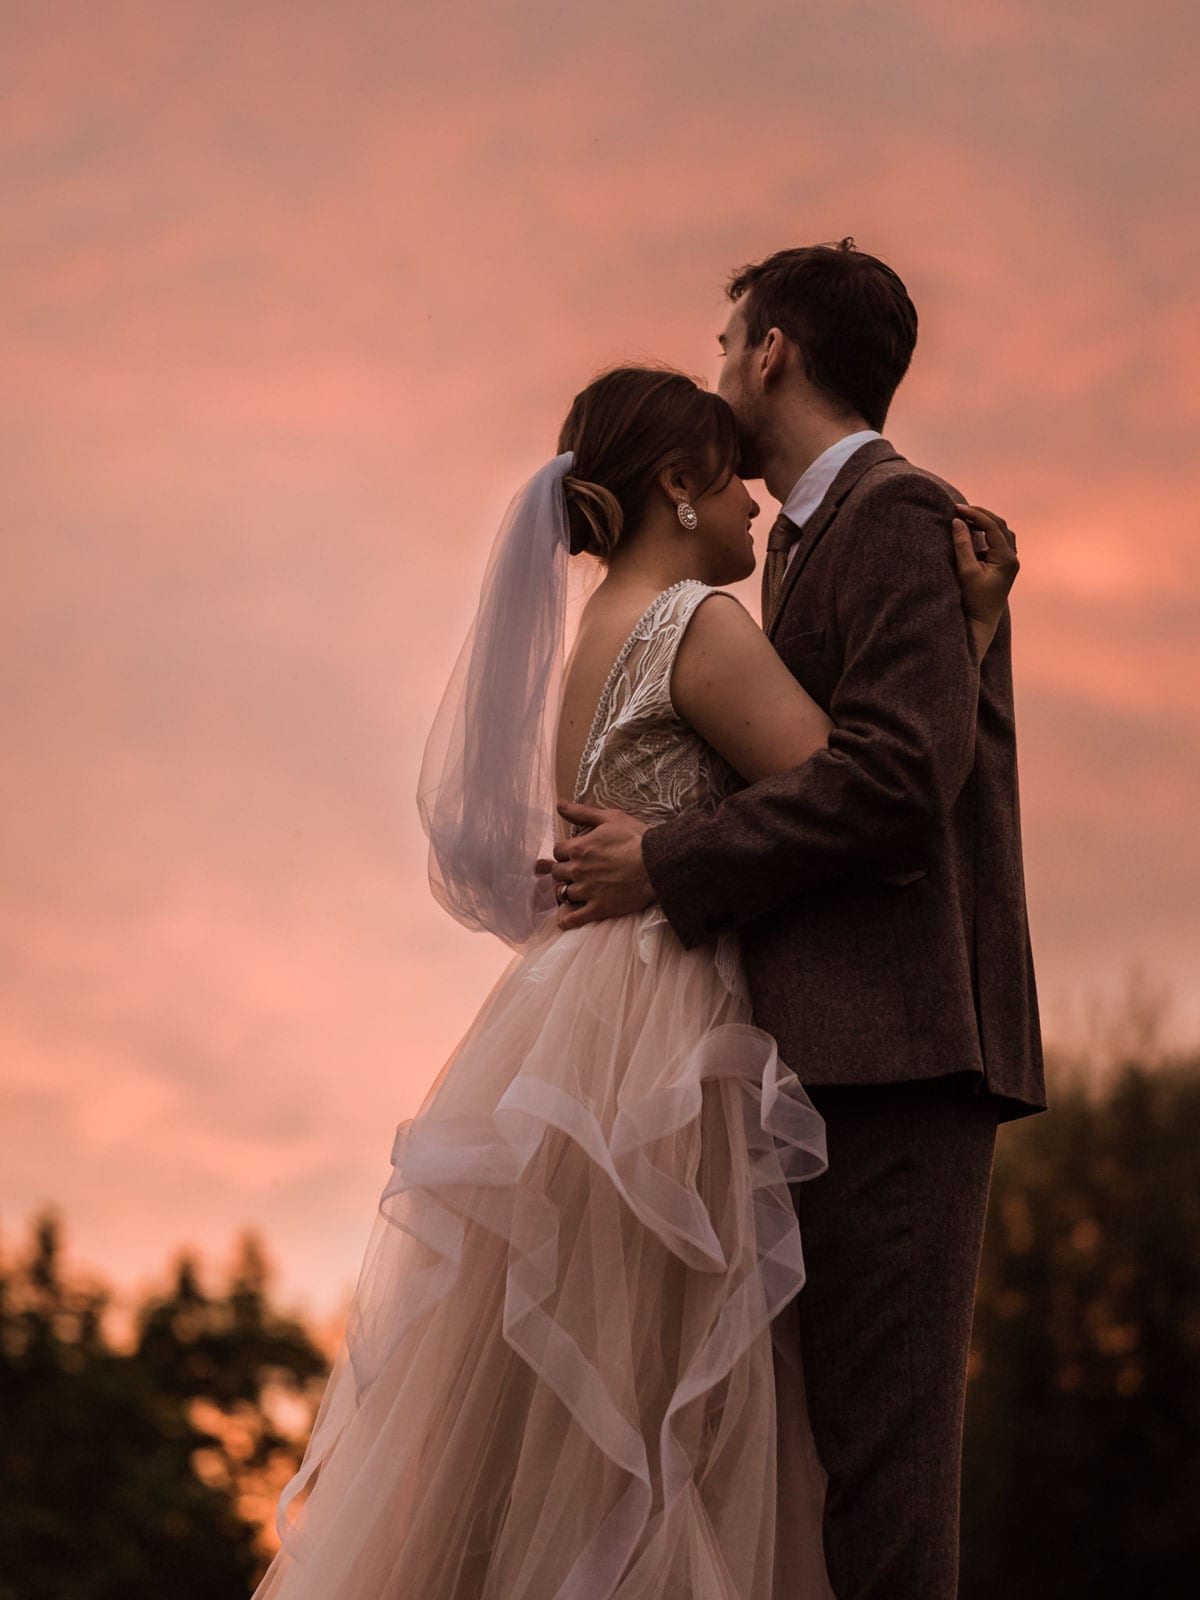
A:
(688, 598)
(680, 613)
(719, 643)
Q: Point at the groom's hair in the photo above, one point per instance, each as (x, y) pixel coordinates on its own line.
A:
(847, 312)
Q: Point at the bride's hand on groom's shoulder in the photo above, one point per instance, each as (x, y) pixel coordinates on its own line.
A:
(600, 873)
(985, 554)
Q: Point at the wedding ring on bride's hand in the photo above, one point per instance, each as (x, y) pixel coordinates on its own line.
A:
(563, 895)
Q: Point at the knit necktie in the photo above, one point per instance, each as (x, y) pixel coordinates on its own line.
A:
(782, 536)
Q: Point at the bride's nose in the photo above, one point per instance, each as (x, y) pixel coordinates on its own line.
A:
(754, 509)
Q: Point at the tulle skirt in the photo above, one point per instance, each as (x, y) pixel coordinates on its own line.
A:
(560, 1378)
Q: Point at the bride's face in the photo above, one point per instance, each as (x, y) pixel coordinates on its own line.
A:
(726, 512)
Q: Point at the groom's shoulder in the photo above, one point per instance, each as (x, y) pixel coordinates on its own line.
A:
(895, 476)
(894, 508)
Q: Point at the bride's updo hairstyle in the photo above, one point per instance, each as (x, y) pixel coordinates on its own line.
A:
(625, 428)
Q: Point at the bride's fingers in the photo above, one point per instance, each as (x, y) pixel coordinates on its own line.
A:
(985, 555)
(993, 542)
(965, 557)
(977, 529)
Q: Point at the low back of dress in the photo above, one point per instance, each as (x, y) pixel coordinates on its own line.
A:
(640, 755)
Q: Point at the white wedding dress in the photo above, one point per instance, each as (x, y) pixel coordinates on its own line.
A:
(559, 1380)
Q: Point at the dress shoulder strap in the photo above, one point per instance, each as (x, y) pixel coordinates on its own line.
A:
(660, 634)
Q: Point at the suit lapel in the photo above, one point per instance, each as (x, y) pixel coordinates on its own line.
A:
(870, 455)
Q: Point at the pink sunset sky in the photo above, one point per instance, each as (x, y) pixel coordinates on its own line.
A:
(295, 294)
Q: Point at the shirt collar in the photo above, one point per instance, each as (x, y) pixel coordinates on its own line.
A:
(813, 484)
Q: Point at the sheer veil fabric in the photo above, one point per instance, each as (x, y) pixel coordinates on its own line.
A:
(485, 792)
(562, 1377)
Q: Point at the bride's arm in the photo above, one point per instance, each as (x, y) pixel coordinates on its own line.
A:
(772, 729)
(780, 725)
(985, 575)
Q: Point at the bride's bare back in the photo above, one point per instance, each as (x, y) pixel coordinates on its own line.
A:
(604, 627)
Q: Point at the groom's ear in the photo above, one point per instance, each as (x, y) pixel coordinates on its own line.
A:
(774, 355)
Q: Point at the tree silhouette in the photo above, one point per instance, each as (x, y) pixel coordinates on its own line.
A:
(1082, 1473)
(232, 1359)
(123, 1474)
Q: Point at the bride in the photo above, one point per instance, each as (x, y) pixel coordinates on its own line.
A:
(559, 1380)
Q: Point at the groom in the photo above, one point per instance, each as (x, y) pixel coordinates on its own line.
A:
(880, 897)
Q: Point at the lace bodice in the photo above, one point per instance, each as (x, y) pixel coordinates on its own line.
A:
(640, 755)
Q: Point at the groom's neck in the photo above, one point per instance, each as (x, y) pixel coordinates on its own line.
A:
(801, 439)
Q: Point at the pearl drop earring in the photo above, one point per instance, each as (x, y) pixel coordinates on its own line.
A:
(687, 515)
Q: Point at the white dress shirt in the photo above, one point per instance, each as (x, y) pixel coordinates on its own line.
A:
(812, 485)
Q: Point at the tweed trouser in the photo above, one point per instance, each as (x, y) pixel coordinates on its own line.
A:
(892, 1236)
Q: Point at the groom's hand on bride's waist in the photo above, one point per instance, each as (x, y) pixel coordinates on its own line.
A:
(599, 873)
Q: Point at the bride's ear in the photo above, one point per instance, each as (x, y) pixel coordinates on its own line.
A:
(674, 485)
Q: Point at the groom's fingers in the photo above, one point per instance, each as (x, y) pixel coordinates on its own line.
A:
(574, 812)
(576, 917)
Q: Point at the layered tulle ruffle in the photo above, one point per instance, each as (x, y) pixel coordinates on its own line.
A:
(558, 1380)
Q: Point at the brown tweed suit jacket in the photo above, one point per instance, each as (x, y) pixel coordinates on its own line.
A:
(862, 980)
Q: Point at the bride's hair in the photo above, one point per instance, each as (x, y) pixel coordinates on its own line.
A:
(625, 428)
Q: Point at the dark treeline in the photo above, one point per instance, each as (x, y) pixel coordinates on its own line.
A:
(147, 1468)
(1082, 1470)
(135, 1473)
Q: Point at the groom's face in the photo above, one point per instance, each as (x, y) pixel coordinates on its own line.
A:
(736, 387)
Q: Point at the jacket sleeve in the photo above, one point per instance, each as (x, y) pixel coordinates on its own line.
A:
(902, 747)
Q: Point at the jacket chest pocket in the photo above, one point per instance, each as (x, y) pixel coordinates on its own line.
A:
(792, 643)
(811, 656)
